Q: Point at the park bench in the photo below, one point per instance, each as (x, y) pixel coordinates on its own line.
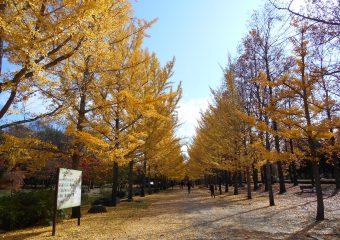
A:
(308, 187)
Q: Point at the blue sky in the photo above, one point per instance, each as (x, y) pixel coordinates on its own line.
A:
(200, 34)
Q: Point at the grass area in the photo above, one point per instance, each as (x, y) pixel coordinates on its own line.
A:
(115, 216)
(4, 193)
(88, 198)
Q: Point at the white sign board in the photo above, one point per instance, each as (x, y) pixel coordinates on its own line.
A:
(69, 188)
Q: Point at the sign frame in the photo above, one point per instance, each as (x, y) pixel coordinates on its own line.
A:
(55, 205)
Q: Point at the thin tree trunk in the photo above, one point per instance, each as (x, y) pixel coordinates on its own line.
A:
(336, 161)
(114, 184)
(265, 178)
(240, 179)
(270, 189)
(274, 123)
(149, 180)
(311, 141)
(226, 181)
(220, 185)
(1, 47)
(215, 182)
(235, 180)
(281, 177)
(320, 212)
(295, 179)
(78, 145)
(130, 182)
(248, 184)
(149, 185)
(337, 172)
(268, 172)
(255, 178)
(334, 155)
(279, 163)
(142, 189)
(290, 172)
(294, 173)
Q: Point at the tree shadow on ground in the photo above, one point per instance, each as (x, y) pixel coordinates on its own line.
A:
(228, 216)
(334, 192)
(207, 223)
(303, 232)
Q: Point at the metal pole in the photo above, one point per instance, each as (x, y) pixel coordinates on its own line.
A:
(79, 213)
(55, 204)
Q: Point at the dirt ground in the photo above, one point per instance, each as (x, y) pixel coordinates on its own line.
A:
(174, 214)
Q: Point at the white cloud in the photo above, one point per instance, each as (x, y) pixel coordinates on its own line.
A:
(189, 114)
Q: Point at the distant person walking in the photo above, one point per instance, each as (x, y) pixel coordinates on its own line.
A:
(212, 190)
(189, 185)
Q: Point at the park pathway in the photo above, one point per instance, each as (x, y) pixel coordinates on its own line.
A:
(175, 214)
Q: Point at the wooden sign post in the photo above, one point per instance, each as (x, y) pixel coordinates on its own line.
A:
(67, 193)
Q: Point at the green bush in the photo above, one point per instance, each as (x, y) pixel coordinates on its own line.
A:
(121, 194)
(25, 209)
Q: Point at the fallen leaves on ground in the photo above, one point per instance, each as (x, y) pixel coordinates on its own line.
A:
(178, 215)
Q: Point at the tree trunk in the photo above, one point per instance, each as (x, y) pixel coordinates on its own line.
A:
(149, 180)
(279, 163)
(230, 179)
(336, 162)
(265, 178)
(295, 179)
(114, 184)
(334, 155)
(311, 141)
(130, 182)
(155, 182)
(235, 180)
(337, 172)
(255, 178)
(240, 179)
(215, 182)
(320, 212)
(248, 184)
(270, 189)
(294, 173)
(78, 146)
(281, 177)
(142, 189)
(220, 185)
(1, 44)
(226, 181)
(290, 172)
(312, 174)
(274, 123)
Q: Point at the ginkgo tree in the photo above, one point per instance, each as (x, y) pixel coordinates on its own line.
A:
(302, 119)
(161, 149)
(36, 37)
(86, 62)
(222, 139)
(301, 85)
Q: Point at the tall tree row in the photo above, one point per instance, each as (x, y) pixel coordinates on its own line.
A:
(84, 64)
(286, 95)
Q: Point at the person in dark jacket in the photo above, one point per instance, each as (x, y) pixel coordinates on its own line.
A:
(212, 190)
